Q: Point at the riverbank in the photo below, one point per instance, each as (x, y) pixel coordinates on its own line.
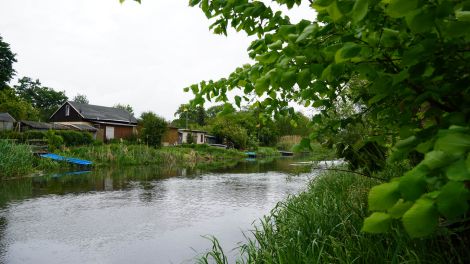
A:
(323, 225)
(17, 160)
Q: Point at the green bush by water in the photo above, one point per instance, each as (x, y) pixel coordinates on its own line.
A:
(322, 225)
(15, 159)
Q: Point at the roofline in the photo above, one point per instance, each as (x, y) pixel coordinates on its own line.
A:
(14, 120)
(117, 124)
(110, 120)
(66, 102)
(191, 130)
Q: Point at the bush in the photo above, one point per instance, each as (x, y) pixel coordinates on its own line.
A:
(75, 138)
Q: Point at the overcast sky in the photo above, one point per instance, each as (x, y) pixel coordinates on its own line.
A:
(142, 55)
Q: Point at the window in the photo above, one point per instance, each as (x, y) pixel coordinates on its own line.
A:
(67, 110)
(202, 138)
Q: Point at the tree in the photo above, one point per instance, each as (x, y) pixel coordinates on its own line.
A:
(127, 107)
(81, 98)
(45, 99)
(153, 128)
(411, 59)
(190, 115)
(7, 58)
(15, 106)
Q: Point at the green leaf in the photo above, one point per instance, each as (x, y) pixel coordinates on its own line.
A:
(406, 143)
(334, 11)
(421, 219)
(261, 85)
(383, 196)
(400, 8)
(348, 51)
(399, 208)
(238, 100)
(421, 21)
(276, 45)
(377, 222)
(452, 142)
(452, 202)
(304, 78)
(360, 10)
(436, 159)
(307, 32)
(413, 183)
(462, 15)
(288, 79)
(458, 171)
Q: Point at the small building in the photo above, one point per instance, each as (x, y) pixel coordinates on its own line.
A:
(110, 122)
(198, 136)
(170, 138)
(7, 122)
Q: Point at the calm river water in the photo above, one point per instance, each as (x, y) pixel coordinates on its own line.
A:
(139, 214)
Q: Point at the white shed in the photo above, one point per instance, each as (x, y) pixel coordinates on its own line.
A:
(6, 121)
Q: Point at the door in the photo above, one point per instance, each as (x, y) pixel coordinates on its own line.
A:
(109, 132)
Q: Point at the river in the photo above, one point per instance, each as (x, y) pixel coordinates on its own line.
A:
(140, 214)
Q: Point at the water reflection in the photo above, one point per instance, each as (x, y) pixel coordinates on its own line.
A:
(138, 214)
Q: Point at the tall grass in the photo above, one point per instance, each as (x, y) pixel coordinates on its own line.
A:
(122, 154)
(15, 159)
(322, 225)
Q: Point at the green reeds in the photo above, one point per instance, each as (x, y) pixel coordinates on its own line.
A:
(322, 225)
(15, 159)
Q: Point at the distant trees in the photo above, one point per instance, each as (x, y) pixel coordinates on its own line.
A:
(127, 107)
(81, 98)
(45, 99)
(190, 115)
(153, 128)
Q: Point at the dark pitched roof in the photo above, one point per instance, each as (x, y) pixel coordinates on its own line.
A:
(6, 117)
(96, 112)
(43, 125)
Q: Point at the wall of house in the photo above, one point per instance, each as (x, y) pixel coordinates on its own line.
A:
(6, 125)
(60, 116)
(198, 138)
(123, 132)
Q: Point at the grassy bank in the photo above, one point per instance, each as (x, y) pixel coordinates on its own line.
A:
(322, 225)
(122, 154)
(16, 160)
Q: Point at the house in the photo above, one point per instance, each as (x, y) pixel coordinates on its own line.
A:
(196, 136)
(170, 138)
(110, 122)
(6, 121)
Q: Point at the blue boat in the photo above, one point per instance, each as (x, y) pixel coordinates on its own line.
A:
(69, 160)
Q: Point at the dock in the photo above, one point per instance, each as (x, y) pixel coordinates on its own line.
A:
(68, 160)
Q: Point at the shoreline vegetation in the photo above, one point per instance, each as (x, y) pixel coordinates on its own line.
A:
(323, 225)
(17, 160)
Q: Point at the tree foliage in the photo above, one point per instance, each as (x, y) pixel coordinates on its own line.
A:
(404, 64)
(81, 98)
(45, 99)
(153, 128)
(126, 107)
(7, 58)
